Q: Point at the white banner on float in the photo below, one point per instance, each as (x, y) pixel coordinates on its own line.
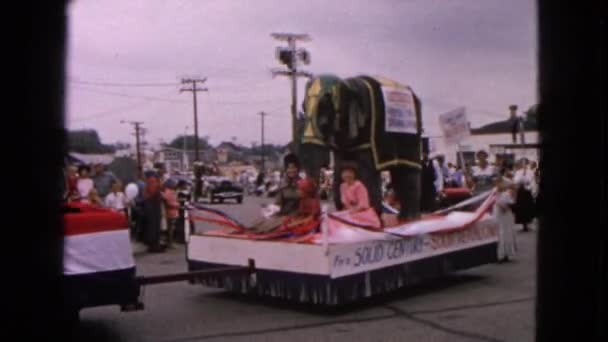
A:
(349, 259)
(399, 110)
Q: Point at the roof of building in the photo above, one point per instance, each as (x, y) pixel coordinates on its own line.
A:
(502, 127)
(92, 158)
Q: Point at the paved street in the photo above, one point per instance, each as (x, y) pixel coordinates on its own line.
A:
(489, 303)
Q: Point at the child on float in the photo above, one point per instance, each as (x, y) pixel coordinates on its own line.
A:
(94, 199)
(116, 199)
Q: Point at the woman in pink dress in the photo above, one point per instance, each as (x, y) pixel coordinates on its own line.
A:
(353, 193)
(355, 199)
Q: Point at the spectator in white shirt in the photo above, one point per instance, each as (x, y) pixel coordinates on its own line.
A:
(116, 199)
(84, 183)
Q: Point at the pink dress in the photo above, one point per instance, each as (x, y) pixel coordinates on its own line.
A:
(354, 196)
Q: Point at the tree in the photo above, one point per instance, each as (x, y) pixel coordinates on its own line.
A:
(88, 142)
(532, 115)
(178, 142)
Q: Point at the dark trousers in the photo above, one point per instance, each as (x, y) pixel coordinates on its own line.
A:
(180, 226)
(152, 222)
(170, 233)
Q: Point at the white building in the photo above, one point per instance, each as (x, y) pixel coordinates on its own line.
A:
(173, 158)
(494, 138)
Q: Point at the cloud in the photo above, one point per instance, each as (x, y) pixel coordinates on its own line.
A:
(480, 54)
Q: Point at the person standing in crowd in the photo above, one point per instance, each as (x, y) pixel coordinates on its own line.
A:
(152, 213)
(199, 172)
(94, 199)
(137, 209)
(85, 183)
(458, 177)
(353, 194)
(171, 204)
(161, 171)
(499, 164)
(72, 193)
(451, 171)
(524, 202)
(533, 166)
(429, 181)
(484, 174)
(468, 176)
(116, 199)
(506, 221)
(183, 195)
(444, 171)
(243, 179)
(103, 180)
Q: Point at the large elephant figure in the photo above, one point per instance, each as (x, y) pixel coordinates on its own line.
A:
(375, 122)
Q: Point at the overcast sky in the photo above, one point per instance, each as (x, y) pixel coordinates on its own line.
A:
(475, 53)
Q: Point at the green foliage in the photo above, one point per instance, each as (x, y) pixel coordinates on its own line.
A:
(532, 115)
(189, 139)
(87, 141)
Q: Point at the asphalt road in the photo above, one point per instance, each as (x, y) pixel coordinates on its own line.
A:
(489, 303)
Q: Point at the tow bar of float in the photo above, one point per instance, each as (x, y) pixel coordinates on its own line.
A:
(191, 277)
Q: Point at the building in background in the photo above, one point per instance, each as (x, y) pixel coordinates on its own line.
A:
(495, 138)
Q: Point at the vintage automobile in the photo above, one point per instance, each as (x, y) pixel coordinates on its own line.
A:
(222, 188)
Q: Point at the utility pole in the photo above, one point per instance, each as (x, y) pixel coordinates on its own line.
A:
(289, 56)
(262, 115)
(184, 155)
(138, 132)
(191, 86)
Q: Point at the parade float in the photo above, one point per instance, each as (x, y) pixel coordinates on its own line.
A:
(347, 258)
(376, 123)
(98, 264)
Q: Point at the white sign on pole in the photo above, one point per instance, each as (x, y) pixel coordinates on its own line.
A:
(400, 110)
(454, 126)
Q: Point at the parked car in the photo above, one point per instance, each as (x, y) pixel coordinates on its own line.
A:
(221, 188)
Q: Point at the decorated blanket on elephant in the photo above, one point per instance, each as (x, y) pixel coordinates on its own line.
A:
(395, 125)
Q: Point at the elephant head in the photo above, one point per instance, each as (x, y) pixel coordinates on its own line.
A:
(322, 106)
(336, 113)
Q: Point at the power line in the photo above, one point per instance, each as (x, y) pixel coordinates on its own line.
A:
(151, 98)
(113, 84)
(110, 112)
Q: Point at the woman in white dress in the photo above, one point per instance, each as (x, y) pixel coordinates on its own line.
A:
(506, 220)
